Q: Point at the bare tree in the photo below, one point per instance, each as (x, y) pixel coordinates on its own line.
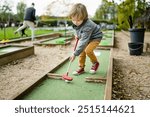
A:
(59, 7)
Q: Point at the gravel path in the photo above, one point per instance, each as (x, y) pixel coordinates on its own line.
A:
(131, 74)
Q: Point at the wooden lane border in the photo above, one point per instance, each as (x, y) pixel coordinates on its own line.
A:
(25, 91)
(108, 87)
(17, 54)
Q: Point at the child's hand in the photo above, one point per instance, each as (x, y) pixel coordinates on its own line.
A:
(72, 57)
(76, 37)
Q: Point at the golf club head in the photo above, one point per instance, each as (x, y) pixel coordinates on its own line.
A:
(66, 77)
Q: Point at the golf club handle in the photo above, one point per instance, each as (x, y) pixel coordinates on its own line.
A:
(69, 67)
(77, 39)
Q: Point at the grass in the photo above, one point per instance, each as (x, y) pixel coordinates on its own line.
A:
(10, 33)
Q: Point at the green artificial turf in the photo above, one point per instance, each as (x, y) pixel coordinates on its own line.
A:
(107, 40)
(78, 89)
(9, 33)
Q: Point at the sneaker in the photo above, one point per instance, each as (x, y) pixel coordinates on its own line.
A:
(94, 68)
(79, 71)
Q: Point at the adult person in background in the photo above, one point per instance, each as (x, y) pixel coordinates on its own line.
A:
(29, 19)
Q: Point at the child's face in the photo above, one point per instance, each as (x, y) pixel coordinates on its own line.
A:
(76, 21)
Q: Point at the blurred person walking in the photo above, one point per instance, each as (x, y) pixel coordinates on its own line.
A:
(29, 20)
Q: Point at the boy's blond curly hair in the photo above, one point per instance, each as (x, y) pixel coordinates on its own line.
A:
(78, 10)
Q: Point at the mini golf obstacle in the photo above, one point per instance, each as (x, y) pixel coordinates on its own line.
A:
(59, 40)
(108, 40)
(10, 53)
(83, 87)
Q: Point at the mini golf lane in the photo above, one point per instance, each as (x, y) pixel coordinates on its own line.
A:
(78, 89)
(10, 53)
(108, 39)
(56, 41)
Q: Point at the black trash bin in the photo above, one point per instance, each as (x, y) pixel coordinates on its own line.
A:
(135, 48)
(137, 35)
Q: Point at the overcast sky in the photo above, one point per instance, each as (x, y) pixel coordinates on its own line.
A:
(41, 5)
(57, 8)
